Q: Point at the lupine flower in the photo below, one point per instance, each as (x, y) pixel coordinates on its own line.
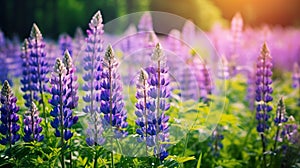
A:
(92, 78)
(215, 142)
(145, 23)
(29, 95)
(290, 131)
(63, 118)
(263, 89)
(9, 127)
(32, 127)
(3, 58)
(236, 32)
(280, 113)
(296, 76)
(112, 104)
(38, 67)
(279, 119)
(158, 92)
(71, 101)
(65, 43)
(204, 82)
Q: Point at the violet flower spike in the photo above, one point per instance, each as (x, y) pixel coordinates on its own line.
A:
(38, 67)
(63, 118)
(92, 78)
(71, 100)
(32, 128)
(263, 89)
(216, 141)
(296, 80)
(290, 131)
(29, 94)
(296, 76)
(263, 94)
(158, 92)
(112, 104)
(9, 127)
(279, 119)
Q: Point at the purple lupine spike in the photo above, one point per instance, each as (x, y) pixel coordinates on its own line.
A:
(279, 119)
(205, 83)
(65, 43)
(38, 67)
(158, 92)
(290, 131)
(236, 32)
(9, 127)
(263, 89)
(280, 113)
(263, 94)
(145, 23)
(26, 77)
(4, 68)
(112, 104)
(296, 76)
(92, 78)
(63, 118)
(71, 101)
(215, 142)
(32, 128)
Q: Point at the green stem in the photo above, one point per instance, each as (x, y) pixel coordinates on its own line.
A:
(61, 121)
(157, 109)
(186, 142)
(96, 158)
(110, 116)
(146, 115)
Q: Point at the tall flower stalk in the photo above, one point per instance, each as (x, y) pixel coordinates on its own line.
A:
(141, 106)
(32, 127)
(158, 92)
(112, 104)
(279, 120)
(92, 78)
(38, 68)
(71, 97)
(9, 127)
(216, 141)
(26, 78)
(63, 118)
(263, 94)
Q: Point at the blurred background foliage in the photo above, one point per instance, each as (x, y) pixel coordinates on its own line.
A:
(57, 16)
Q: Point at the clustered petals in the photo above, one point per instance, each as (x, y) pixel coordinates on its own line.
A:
(263, 89)
(9, 127)
(153, 91)
(62, 113)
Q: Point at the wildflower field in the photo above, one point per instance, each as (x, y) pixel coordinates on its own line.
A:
(227, 97)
